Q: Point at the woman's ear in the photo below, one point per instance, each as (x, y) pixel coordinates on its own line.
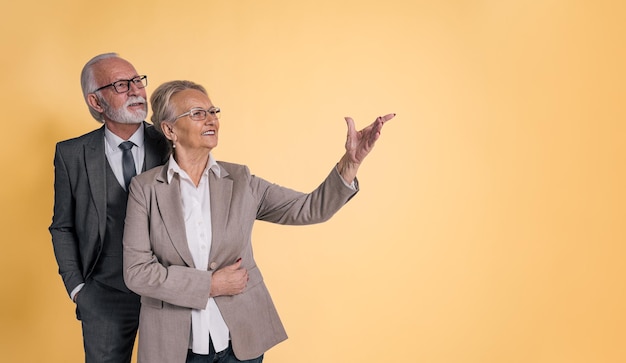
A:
(168, 130)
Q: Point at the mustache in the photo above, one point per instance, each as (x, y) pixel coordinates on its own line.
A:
(135, 99)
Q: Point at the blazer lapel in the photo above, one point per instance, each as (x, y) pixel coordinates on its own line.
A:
(95, 164)
(168, 200)
(221, 191)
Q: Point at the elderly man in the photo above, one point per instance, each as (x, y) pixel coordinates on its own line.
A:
(92, 173)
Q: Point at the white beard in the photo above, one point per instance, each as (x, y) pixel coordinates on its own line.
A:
(122, 114)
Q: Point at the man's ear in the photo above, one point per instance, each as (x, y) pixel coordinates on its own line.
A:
(93, 102)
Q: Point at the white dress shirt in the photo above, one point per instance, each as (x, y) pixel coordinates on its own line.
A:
(114, 153)
(207, 323)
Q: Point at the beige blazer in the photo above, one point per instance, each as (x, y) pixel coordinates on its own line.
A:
(159, 267)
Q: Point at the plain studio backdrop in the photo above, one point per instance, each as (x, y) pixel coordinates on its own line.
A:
(490, 223)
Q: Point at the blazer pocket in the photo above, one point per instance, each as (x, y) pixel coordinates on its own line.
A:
(151, 302)
(255, 278)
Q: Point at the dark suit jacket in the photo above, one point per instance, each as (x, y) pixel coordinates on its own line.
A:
(158, 264)
(79, 220)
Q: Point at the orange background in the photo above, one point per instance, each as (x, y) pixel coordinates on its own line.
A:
(490, 224)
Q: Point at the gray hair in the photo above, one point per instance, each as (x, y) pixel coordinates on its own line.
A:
(162, 110)
(88, 82)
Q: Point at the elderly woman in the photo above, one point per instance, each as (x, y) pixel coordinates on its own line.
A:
(187, 243)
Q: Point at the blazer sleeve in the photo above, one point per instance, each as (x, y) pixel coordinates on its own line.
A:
(285, 206)
(174, 283)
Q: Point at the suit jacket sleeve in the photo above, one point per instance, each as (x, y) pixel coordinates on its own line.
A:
(62, 229)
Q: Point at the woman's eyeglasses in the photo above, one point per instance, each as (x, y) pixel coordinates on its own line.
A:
(200, 114)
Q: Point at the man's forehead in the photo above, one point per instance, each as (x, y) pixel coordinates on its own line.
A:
(113, 69)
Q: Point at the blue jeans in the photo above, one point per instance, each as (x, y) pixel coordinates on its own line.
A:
(225, 356)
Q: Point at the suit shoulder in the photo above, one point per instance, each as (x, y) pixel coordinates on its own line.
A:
(152, 132)
(79, 141)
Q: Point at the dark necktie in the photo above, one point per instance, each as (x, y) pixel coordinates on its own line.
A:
(128, 162)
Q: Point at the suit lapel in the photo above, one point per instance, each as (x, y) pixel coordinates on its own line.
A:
(95, 164)
(155, 147)
(170, 208)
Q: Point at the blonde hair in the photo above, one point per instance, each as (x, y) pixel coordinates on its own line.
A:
(162, 110)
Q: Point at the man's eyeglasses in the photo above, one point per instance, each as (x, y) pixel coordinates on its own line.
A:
(123, 85)
(200, 114)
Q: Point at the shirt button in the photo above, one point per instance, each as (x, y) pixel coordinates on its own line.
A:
(213, 265)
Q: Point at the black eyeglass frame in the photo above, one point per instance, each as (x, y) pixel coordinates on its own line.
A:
(139, 82)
